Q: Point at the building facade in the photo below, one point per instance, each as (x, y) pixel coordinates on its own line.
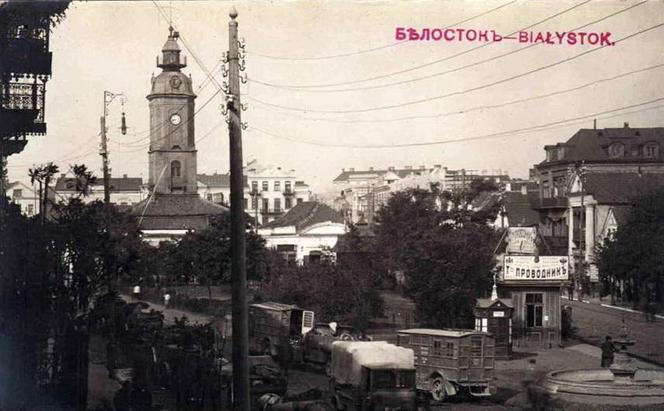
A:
(24, 196)
(306, 233)
(364, 192)
(124, 191)
(587, 183)
(269, 191)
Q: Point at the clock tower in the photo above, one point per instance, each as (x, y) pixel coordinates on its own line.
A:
(172, 153)
(173, 207)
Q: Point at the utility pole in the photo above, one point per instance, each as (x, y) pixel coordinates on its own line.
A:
(241, 399)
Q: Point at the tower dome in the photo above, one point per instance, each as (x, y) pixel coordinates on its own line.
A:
(170, 60)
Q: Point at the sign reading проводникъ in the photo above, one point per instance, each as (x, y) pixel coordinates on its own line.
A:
(548, 268)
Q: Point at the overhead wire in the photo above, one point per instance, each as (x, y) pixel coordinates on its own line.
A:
(460, 92)
(441, 73)
(417, 67)
(372, 49)
(461, 139)
(463, 111)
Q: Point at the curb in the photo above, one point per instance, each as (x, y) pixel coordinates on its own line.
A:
(615, 307)
(633, 355)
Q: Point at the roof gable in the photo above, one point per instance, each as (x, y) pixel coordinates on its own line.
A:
(307, 214)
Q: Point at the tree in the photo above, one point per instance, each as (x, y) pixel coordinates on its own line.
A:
(333, 292)
(631, 262)
(204, 256)
(444, 250)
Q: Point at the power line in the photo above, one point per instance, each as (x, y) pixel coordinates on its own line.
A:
(463, 139)
(369, 50)
(343, 83)
(463, 111)
(477, 63)
(190, 119)
(456, 93)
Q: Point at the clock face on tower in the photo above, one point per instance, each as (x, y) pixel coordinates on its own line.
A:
(176, 119)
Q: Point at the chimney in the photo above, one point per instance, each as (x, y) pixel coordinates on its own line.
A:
(437, 166)
(371, 169)
(351, 169)
(391, 168)
(595, 124)
(626, 125)
(62, 175)
(408, 167)
(124, 176)
(343, 169)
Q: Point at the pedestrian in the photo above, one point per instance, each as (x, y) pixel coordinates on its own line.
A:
(167, 298)
(607, 352)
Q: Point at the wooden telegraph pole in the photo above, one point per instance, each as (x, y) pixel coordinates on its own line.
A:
(241, 399)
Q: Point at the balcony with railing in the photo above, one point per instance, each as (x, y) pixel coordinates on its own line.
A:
(22, 107)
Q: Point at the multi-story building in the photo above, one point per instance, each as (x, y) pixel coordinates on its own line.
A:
(269, 191)
(25, 66)
(363, 193)
(586, 185)
(124, 191)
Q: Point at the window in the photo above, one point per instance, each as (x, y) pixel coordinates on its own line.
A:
(651, 150)
(299, 200)
(534, 310)
(31, 209)
(476, 346)
(254, 202)
(277, 204)
(175, 168)
(616, 150)
(481, 324)
(18, 193)
(287, 187)
(266, 186)
(254, 186)
(277, 186)
(437, 348)
(266, 204)
(449, 349)
(288, 203)
(209, 197)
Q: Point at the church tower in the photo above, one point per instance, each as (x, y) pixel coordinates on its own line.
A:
(172, 153)
(173, 207)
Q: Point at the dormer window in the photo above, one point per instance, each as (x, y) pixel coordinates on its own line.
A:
(616, 150)
(651, 150)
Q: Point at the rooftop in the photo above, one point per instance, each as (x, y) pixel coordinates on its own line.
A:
(176, 212)
(592, 145)
(116, 183)
(621, 188)
(306, 214)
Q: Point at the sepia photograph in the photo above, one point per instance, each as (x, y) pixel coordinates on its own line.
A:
(361, 205)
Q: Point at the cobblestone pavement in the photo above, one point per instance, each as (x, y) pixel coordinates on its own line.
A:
(592, 322)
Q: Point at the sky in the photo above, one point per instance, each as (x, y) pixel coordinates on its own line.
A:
(329, 86)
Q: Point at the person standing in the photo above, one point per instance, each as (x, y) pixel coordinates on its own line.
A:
(608, 349)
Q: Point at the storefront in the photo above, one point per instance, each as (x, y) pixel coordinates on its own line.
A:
(533, 284)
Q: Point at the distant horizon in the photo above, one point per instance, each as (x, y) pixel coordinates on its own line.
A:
(325, 93)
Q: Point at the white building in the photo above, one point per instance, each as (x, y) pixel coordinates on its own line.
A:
(124, 191)
(24, 196)
(269, 191)
(304, 233)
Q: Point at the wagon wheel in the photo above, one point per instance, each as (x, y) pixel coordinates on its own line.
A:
(438, 389)
(346, 337)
